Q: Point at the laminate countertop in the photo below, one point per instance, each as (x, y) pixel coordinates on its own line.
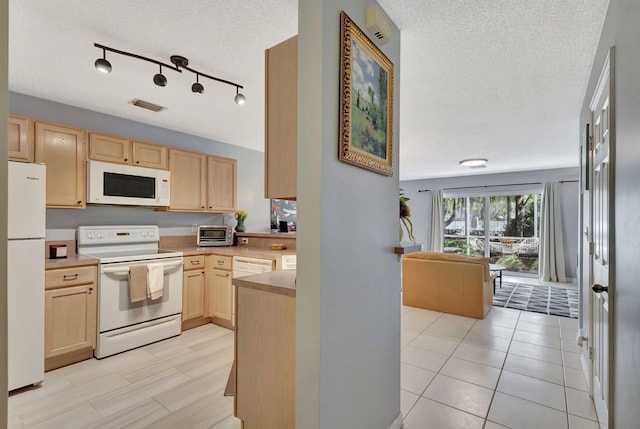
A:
(69, 262)
(251, 252)
(282, 282)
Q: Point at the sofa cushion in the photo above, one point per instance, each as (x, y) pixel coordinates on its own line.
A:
(438, 256)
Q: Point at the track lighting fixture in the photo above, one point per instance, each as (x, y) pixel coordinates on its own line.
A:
(239, 98)
(102, 64)
(197, 87)
(160, 79)
(178, 63)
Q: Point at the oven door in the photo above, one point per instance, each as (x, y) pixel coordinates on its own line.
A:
(115, 310)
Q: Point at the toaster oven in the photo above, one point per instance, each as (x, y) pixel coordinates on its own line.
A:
(215, 235)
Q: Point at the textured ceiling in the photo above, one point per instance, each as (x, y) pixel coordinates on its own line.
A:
(499, 79)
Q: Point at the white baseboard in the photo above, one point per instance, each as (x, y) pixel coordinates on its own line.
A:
(397, 423)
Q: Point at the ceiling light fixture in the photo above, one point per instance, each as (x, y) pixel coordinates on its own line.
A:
(160, 79)
(239, 98)
(197, 87)
(474, 162)
(178, 63)
(102, 64)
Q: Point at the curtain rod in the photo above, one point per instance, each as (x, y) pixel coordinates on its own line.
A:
(493, 186)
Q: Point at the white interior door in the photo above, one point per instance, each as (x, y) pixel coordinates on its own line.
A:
(602, 174)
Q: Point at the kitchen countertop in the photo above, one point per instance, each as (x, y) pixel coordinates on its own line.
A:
(251, 252)
(282, 282)
(69, 262)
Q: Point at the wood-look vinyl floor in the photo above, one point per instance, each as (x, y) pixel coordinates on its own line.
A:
(175, 383)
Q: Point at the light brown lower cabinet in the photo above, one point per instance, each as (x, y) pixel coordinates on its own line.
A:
(194, 292)
(70, 316)
(219, 279)
(265, 359)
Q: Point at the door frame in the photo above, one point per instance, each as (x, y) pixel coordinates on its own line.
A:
(607, 72)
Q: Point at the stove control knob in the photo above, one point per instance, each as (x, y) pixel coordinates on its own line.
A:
(144, 233)
(151, 233)
(100, 235)
(90, 235)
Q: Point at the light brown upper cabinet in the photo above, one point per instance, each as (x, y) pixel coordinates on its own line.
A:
(188, 180)
(221, 184)
(202, 183)
(281, 120)
(63, 150)
(20, 139)
(108, 148)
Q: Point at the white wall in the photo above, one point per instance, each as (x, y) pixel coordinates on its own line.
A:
(4, 47)
(250, 169)
(348, 278)
(420, 202)
(622, 31)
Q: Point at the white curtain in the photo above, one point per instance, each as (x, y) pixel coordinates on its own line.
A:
(437, 226)
(551, 244)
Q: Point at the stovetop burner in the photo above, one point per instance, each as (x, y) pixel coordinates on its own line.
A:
(121, 243)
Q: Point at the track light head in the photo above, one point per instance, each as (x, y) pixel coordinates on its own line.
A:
(239, 98)
(102, 65)
(197, 87)
(160, 79)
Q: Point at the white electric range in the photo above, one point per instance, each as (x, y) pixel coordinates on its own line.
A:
(123, 325)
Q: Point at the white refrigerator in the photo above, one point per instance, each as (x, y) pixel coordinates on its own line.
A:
(25, 273)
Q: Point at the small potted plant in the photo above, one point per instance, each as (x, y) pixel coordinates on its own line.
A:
(405, 219)
(240, 216)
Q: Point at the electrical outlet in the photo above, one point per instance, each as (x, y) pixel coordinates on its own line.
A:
(194, 227)
(244, 240)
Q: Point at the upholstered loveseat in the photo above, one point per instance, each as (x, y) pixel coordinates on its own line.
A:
(453, 284)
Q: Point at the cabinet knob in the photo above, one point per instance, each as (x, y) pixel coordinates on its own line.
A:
(202, 207)
(137, 162)
(90, 289)
(79, 201)
(125, 160)
(210, 207)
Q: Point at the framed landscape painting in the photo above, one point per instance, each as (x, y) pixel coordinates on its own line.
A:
(366, 101)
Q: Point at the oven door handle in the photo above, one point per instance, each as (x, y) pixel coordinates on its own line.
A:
(121, 271)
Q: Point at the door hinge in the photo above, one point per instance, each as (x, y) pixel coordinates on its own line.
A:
(590, 352)
(591, 248)
(590, 142)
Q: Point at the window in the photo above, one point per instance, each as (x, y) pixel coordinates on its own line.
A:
(510, 238)
(283, 210)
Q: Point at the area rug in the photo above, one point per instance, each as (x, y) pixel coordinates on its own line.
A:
(558, 301)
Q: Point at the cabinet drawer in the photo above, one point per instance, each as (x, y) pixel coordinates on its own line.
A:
(69, 277)
(193, 262)
(221, 262)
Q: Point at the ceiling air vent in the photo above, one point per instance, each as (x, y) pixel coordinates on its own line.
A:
(147, 105)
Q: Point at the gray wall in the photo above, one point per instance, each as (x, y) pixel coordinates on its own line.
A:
(4, 44)
(348, 279)
(420, 202)
(250, 169)
(622, 31)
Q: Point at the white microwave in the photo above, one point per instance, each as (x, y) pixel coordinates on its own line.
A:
(119, 184)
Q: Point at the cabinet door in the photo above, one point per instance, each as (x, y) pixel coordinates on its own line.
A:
(20, 139)
(149, 155)
(70, 320)
(187, 180)
(192, 295)
(62, 149)
(221, 184)
(281, 120)
(103, 147)
(222, 295)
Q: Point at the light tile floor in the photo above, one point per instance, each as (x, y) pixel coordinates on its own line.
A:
(513, 369)
(175, 383)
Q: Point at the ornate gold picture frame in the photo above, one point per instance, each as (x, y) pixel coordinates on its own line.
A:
(366, 101)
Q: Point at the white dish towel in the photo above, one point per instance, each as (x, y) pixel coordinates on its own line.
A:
(155, 281)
